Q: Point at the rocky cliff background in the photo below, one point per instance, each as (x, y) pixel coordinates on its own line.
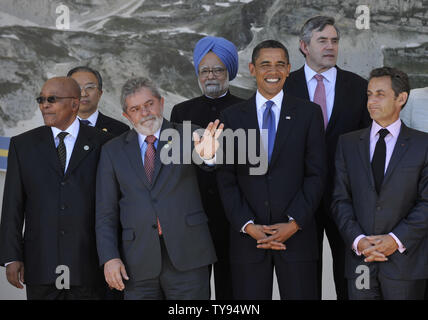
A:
(155, 38)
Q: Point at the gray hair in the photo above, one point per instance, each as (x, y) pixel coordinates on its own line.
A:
(317, 23)
(134, 85)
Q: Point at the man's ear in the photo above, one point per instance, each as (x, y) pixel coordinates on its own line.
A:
(303, 47)
(252, 69)
(402, 98)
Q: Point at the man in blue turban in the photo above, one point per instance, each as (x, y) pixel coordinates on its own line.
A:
(216, 63)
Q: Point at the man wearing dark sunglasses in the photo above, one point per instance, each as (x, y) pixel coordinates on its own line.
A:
(50, 186)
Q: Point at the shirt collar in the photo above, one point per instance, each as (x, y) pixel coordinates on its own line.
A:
(92, 118)
(223, 95)
(393, 128)
(260, 100)
(73, 129)
(142, 137)
(329, 75)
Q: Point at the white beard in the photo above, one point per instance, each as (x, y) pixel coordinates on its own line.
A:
(150, 127)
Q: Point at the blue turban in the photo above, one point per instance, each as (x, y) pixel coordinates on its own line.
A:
(224, 49)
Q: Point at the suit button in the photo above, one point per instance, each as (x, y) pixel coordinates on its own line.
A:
(62, 232)
(154, 226)
(267, 203)
(63, 183)
(63, 207)
(378, 208)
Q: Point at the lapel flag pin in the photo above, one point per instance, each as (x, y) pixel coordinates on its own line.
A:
(86, 148)
(288, 118)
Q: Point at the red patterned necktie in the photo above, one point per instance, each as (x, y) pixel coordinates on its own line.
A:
(320, 97)
(149, 164)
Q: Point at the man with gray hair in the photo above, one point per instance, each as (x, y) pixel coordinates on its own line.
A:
(342, 97)
(216, 63)
(165, 246)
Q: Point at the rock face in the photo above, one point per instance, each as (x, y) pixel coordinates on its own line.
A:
(155, 38)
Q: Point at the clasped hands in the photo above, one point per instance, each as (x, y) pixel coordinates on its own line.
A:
(272, 236)
(377, 248)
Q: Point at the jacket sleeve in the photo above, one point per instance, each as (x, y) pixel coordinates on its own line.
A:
(414, 227)
(307, 199)
(107, 209)
(342, 208)
(12, 218)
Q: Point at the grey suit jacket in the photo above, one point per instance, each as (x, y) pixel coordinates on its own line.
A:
(401, 207)
(125, 198)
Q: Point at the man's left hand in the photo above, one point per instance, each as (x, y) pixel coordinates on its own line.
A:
(280, 233)
(207, 145)
(384, 244)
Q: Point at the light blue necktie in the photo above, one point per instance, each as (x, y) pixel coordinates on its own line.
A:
(269, 124)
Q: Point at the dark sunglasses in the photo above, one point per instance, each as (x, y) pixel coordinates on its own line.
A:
(51, 99)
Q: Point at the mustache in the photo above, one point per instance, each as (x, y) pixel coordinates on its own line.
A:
(150, 117)
(212, 82)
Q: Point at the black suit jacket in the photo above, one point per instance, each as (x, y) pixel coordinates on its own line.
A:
(58, 210)
(113, 126)
(201, 111)
(349, 112)
(401, 207)
(292, 186)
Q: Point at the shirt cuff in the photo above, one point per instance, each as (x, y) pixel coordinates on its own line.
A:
(243, 228)
(210, 162)
(401, 248)
(8, 263)
(355, 244)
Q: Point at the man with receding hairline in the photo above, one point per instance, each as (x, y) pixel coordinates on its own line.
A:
(50, 186)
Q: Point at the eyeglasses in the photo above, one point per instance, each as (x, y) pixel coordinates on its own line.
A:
(216, 72)
(89, 87)
(51, 99)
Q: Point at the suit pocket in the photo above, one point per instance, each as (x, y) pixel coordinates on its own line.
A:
(196, 218)
(128, 234)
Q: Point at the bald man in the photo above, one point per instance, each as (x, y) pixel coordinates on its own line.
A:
(216, 63)
(50, 187)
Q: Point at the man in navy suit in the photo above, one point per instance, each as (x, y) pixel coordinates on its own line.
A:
(272, 214)
(342, 98)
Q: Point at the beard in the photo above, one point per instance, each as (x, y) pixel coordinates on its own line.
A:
(214, 88)
(148, 125)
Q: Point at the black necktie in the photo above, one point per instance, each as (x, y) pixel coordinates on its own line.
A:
(378, 161)
(62, 152)
(85, 122)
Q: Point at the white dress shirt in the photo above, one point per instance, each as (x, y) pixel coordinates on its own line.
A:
(390, 141)
(92, 118)
(69, 140)
(329, 84)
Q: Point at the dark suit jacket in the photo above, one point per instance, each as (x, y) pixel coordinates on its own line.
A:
(349, 113)
(292, 186)
(113, 126)
(201, 111)
(58, 210)
(125, 198)
(401, 207)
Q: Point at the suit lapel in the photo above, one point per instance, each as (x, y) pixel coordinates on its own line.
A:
(250, 121)
(82, 148)
(47, 149)
(286, 121)
(339, 104)
(158, 164)
(133, 152)
(400, 149)
(364, 152)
